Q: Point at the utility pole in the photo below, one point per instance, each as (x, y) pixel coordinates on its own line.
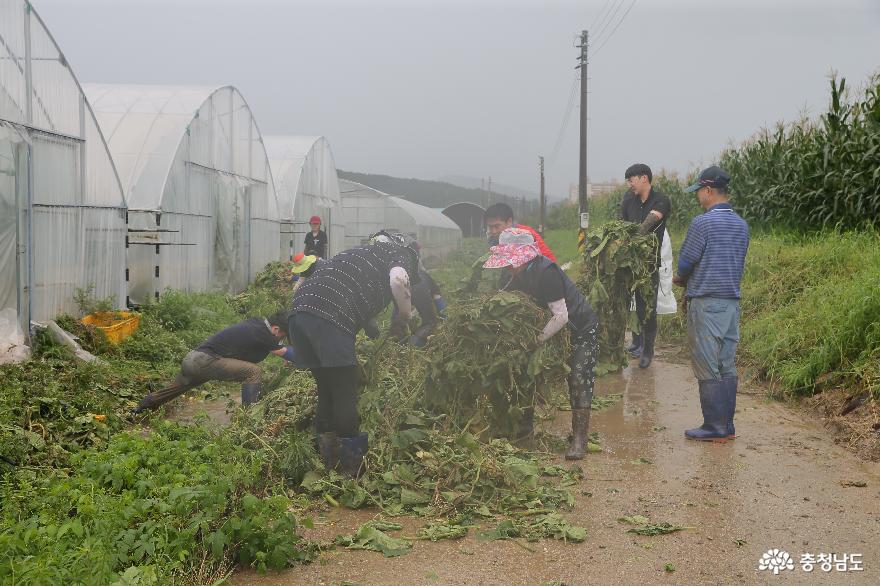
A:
(543, 197)
(484, 194)
(490, 190)
(583, 203)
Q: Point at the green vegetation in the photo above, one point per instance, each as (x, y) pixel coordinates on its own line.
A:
(485, 363)
(88, 498)
(177, 503)
(87, 303)
(811, 311)
(616, 265)
(813, 175)
(422, 461)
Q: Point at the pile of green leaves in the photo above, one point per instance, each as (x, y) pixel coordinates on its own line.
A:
(275, 274)
(420, 460)
(535, 526)
(618, 262)
(180, 503)
(271, 291)
(643, 526)
(372, 536)
(52, 407)
(485, 366)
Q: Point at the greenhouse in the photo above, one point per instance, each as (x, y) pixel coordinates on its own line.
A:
(363, 209)
(202, 207)
(306, 182)
(62, 211)
(368, 210)
(467, 216)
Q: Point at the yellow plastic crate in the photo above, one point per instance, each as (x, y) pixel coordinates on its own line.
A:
(117, 325)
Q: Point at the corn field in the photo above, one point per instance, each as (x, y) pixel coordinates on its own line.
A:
(813, 174)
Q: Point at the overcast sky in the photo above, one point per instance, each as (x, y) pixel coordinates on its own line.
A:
(429, 88)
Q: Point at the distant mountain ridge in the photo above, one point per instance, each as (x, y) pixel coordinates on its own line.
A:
(438, 194)
(475, 183)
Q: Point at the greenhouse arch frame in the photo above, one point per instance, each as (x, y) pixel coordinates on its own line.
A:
(307, 184)
(62, 222)
(203, 211)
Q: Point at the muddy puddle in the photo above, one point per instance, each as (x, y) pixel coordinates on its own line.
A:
(780, 485)
(212, 410)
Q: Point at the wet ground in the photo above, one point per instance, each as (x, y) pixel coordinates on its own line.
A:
(192, 407)
(781, 484)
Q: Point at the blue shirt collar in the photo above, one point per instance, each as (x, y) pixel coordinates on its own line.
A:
(720, 206)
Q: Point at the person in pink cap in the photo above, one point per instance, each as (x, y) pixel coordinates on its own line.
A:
(316, 240)
(548, 285)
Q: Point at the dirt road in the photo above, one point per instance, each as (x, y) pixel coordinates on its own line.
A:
(780, 485)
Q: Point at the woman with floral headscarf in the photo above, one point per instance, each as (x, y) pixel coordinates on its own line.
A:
(542, 280)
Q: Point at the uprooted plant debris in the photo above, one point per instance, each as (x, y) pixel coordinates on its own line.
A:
(485, 364)
(254, 482)
(422, 460)
(618, 262)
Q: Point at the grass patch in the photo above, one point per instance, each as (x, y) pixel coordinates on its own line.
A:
(811, 310)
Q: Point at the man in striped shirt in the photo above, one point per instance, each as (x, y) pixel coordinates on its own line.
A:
(710, 266)
(329, 308)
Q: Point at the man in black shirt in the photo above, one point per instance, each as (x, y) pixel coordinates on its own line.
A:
(550, 287)
(316, 240)
(328, 310)
(229, 355)
(650, 209)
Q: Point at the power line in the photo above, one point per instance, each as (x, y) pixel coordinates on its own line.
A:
(612, 15)
(599, 17)
(606, 17)
(561, 135)
(619, 22)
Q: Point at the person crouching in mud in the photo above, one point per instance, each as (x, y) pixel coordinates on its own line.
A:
(229, 355)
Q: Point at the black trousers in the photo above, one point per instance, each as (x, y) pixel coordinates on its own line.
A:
(582, 378)
(337, 400)
(649, 325)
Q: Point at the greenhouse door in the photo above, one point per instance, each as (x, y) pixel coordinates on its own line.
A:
(13, 224)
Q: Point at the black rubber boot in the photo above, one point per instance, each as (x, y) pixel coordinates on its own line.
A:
(635, 349)
(647, 355)
(328, 447)
(351, 454)
(526, 432)
(713, 402)
(250, 393)
(730, 384)
(580, 428)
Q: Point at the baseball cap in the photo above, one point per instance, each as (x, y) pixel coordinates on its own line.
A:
(713, 176)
